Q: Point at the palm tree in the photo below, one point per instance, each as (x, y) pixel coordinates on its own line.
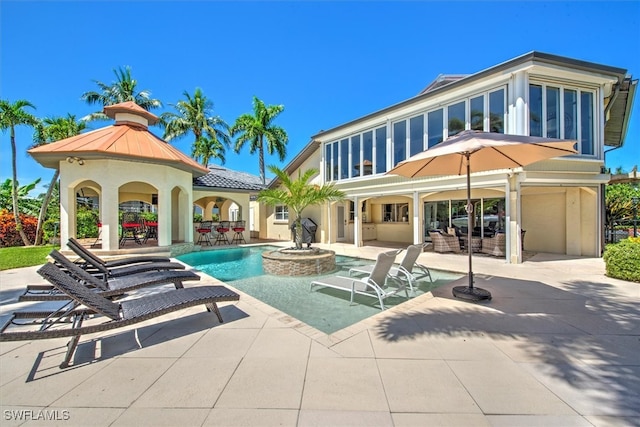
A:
(27, 204)
(207, 148)
(195, 115)
(53, 129)
(298, 194)
(255, 128)
(122, 90)
(12, 115)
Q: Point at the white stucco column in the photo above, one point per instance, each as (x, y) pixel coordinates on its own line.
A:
(67, 212)
(417, 238)
(518, 106)
(164, 217)
(109, 202)
(574, 227)
(357, 225)
(513, 221)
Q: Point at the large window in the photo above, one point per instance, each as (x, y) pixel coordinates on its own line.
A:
(381, 150)
(566, 113)
(355, 155)
(487, 219)
(395, 212)
(496, 111)
(328, 161)
(344, 158)
(367, 153)
(477, 113)
(416, 135)
(282, 213)
(435, 127)
(399, 142)
(456, 115)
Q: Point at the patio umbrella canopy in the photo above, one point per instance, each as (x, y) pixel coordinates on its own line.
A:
(475, 151)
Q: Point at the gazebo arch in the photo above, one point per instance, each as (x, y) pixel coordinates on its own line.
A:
(124, 160)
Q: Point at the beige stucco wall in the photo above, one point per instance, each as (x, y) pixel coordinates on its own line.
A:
(560, 220)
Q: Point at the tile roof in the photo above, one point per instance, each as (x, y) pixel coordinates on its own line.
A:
(221, 177)
(123, 140)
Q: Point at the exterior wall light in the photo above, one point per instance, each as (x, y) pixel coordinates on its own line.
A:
(75, 159)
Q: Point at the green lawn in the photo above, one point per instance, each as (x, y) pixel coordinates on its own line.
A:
(21, 256)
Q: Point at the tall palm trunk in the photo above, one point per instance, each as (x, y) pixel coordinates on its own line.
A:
(45, 206)
(261, 160)
(14, 189)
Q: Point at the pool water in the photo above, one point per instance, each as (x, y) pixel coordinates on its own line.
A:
(325, 309)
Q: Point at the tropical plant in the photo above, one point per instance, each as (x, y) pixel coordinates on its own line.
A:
(207, 148)
(618, 201)
(52, 129)
(27, 204)
(255, 128)
(298, 194)
(12, 115)
(121, 90)
(195, 115)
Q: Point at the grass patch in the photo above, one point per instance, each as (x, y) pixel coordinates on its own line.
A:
(24, 256)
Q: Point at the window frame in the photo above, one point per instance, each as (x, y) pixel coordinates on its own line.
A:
(281, 211)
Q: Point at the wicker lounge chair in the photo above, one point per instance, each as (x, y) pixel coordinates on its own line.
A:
(91, 258)
(444, 242)
(495, 245)
(113, 287)
(93, 307)
(122, 267)
(407, 270)
(373, 285)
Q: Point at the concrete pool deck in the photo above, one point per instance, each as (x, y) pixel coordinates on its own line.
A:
(559, 345)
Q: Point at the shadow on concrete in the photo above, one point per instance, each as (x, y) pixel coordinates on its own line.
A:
(586, 335)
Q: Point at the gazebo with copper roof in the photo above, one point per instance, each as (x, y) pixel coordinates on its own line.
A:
(122, 162)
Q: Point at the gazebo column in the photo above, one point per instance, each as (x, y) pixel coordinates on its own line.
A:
(185, 201)
(67, 212)
(109, 202)
(164, 217)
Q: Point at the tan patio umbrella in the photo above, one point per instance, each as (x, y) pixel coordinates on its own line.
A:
(475, 151)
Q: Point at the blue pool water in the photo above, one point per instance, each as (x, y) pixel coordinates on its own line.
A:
(326, 309)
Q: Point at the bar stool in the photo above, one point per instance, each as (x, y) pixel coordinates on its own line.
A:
(205, 230)
(238, 232)
(222, 230)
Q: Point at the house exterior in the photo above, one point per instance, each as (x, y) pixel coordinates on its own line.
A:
(558, 202)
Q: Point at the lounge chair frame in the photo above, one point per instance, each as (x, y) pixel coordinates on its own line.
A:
(406, 269)
(123, 267)
(117, 315)
(114, 287)
(373, 285)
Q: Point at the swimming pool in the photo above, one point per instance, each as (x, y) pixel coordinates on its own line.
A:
(325, 309)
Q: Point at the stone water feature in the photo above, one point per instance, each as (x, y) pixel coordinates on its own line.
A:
(299, 262)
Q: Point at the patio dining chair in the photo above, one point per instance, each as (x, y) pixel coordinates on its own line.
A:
(102, 313)
(130, 228)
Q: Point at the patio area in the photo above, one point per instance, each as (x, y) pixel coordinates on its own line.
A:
(558, 345)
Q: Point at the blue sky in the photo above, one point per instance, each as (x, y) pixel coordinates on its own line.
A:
(326, 62)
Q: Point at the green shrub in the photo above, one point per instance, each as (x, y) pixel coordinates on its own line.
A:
(197, 218)
(623, 259)
(149, 216)
(86, 223)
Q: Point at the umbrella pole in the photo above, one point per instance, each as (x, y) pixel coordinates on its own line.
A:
(470, 292)
(469, 220)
